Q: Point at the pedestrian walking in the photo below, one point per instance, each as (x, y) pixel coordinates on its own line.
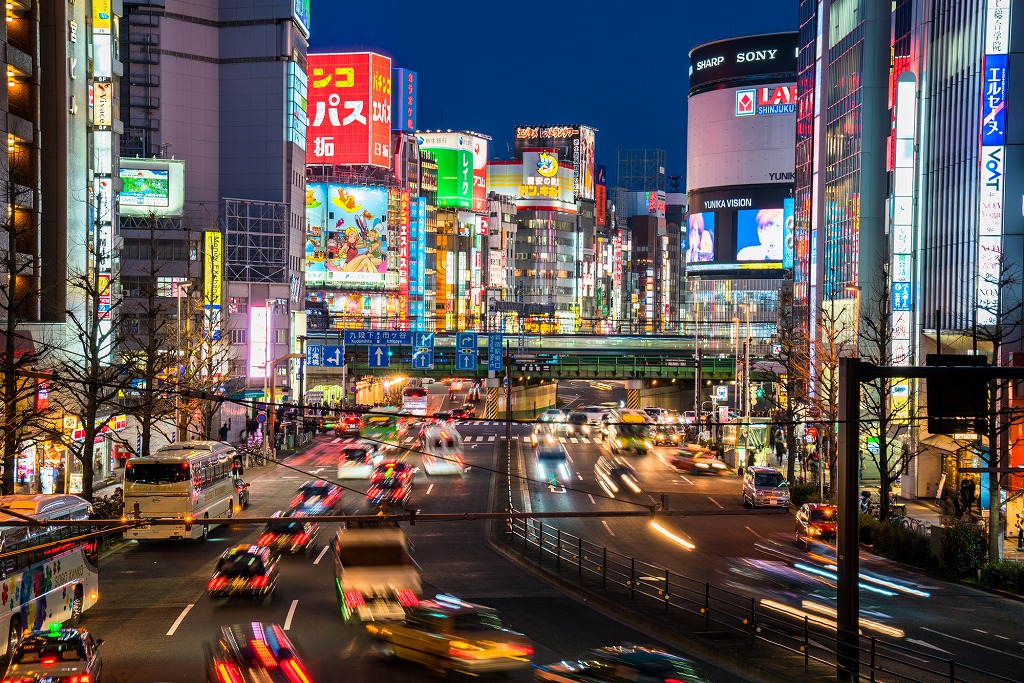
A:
(1020, 531)
(780, 449)
(967, 493)
(224, 432)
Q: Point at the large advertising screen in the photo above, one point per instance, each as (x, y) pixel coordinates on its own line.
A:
(575, 145)
(741, 136)
(455, 174)
(742, 59)
(346, 236)
(152, 187)
(737, 230)
(349, 109)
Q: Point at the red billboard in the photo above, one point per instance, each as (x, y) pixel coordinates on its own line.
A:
(349, 109)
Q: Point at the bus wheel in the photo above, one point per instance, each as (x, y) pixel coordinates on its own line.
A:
(14, 636)
(206, 529)
(76, 606)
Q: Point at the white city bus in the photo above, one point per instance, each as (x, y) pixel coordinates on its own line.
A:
(188, 481)
(46, 583)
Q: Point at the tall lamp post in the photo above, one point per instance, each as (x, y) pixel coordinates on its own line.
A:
(179, 286)
(736, 364)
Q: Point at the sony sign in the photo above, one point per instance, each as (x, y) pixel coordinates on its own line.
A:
(755, 56)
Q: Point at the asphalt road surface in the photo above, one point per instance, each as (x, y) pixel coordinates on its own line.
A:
(155, 616)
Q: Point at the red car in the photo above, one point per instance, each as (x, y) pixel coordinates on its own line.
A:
(348, 425)
(460, 413)
(816, 522)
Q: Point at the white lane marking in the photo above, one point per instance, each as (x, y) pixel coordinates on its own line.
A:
(289, 477)
(291, 613)
(181, 618)
(490, 438)
(429, 489)
(569, 458)
(720, 506)
(971, 642)
(574, 440)
(686, 480)
(928, 645)
(608, 528)
(318, 470)
(585, 440)
(591, 499)
(323, 551)
(580, 476)
(980, 631)
(336, 440)
(1000, 637)
(561, 439)
(754, 532)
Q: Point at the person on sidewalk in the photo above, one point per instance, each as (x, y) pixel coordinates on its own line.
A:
(967, 492)
(224, 432)
(1020, 531)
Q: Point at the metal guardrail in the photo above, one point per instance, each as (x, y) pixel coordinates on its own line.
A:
(704, 606)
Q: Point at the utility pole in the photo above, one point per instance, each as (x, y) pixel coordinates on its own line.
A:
(302, 381)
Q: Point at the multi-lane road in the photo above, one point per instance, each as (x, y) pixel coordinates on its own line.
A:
(155, 617)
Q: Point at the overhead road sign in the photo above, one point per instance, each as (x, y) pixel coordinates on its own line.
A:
(495, 361)
(314, 355)
(422, 350)
(333, 356)
(380, 357)
(378, 337)
(466, 351)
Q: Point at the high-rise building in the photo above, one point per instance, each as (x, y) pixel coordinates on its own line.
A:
(221, 86)
(739, 179)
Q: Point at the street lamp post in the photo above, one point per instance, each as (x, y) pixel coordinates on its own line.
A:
(179, 286)
(736, 364)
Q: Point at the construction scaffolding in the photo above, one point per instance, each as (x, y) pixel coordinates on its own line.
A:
(640, 170)
(256, 241)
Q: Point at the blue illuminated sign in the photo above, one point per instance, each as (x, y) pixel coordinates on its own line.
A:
(403, 84)
(901, 296)
(301, 13)
(993, 102)
(787, 233)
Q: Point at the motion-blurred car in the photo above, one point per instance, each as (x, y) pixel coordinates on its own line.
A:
(816, 522)
(254, 653)
(666, 435)
(357, 461)
(616, 475)
(290, 532)
(470, 409)
(316, 497)
(460, 413)
(242, 489)
(348, 425)
(244, 570)
(577, 424)
(659, 415)
(391, 484)
(622, 663)
(551, 415)
(453, 636)
(388, 469)
(442, 416)
(543, 433)
(595, 414)
(56, 655)
(698, 460)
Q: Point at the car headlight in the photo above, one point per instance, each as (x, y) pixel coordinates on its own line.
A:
(704, 466)
(813, 530)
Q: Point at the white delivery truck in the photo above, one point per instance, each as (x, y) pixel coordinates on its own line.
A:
(375, 574)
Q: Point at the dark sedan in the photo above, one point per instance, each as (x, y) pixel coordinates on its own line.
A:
(244, 570)
(254, 652)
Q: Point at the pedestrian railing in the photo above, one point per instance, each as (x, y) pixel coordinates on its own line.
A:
(803, 634)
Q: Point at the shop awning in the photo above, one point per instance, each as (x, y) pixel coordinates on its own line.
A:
(246, 394)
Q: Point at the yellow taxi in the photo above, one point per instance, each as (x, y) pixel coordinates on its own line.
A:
(450, 635)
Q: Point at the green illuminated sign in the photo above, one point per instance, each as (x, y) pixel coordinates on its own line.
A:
(454, 177)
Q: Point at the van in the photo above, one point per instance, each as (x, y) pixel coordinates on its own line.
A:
(595, 413)
(764, 487)
(627, 431)
(442, 450)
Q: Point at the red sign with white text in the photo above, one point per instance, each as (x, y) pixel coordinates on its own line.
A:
(349, 109)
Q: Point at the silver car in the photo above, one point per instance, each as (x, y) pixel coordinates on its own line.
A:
(56, 654)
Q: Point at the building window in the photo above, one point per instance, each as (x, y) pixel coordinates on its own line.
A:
(238, 336)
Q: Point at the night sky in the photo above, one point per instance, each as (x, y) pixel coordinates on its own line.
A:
(490, 65)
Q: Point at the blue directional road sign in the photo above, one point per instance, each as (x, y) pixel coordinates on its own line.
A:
(378, 337)
(380, 357)
(422, 350)
(495, 361)
(465, 351)
(333, 357)
(314, 356)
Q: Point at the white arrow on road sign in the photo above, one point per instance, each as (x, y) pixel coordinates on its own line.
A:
(379, 353)
(336, 359)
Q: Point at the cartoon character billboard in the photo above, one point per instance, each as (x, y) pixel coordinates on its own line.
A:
(346, 236)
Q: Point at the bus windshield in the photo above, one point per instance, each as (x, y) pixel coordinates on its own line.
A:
(156, 473)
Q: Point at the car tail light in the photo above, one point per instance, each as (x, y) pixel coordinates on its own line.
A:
(521, 650)
(48, 661)
(263, 653)
(79, 678)
(354, 599)
(301, 539)
(19, 680)
(266, 539)
(460, 648)
(259, 582)
(216, 582)
(294, 671)
(228, 673)
(406, 598)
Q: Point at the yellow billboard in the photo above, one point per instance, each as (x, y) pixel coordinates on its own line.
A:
(213, 285)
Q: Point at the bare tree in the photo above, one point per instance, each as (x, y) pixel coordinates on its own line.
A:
(88, 382)
(149, 333)
(786, 373)
(20, 355)
(1006, 309)
(207, 356)
(885, 414)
